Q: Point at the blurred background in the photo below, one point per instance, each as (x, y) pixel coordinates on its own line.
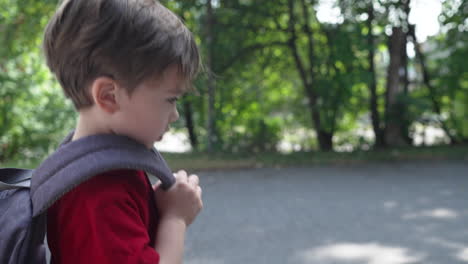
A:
(370, 87)
(293, 81)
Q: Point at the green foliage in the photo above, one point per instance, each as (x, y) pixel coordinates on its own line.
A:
(450, 67)
(203, 161)
(261, 99)
(32, 111)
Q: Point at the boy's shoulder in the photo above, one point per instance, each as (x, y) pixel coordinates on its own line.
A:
(78, 161)
(123, 185)
(128, 180)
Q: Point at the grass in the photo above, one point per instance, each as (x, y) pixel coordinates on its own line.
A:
(218, 161)
(222, 161)
(30, 164)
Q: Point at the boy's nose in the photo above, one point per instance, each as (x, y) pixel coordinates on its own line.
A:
(175, 116)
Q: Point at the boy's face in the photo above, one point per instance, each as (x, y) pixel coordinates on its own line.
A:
(146, 115)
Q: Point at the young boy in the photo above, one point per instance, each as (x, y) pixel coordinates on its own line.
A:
(124, 64)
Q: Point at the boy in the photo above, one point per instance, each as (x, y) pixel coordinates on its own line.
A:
(124, 64)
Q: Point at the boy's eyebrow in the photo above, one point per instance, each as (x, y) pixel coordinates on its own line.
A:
(178, 94)
(178, 90)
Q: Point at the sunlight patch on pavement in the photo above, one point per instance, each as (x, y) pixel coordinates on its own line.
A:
(365, 253)
(463, 255)
(390, 204)
(438, 213)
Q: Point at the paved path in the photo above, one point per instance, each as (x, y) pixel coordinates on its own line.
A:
(366, 214)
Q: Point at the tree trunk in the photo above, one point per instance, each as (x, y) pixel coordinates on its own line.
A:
(212, 138)
(405, 122)
(307, 73)
(325, 140)
(188, 115)
(375, 116)
(427, 81)
(393, 111)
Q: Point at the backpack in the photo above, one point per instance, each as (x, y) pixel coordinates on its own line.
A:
(25, 195)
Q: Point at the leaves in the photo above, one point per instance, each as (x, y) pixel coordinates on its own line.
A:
(261, 97)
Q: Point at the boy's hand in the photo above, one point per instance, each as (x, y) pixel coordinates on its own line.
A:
(182, 201)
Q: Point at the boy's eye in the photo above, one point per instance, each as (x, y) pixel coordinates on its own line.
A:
(173, 100)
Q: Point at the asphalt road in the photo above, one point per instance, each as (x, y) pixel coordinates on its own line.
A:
(366, 214)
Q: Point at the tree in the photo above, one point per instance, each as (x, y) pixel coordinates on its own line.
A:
(29, 120)
(394, 107)
(444, 70)
(379, 132)
(212, 137)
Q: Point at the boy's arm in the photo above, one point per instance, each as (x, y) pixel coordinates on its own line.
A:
(170, 241)
(177, 208)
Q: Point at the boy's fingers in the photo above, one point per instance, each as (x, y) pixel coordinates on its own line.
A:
(199, 190)
(193, 180)
(181, 176)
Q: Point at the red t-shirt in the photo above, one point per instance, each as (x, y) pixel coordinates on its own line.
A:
(110, 218)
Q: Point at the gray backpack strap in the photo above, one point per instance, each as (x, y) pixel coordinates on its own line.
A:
(12, 178)
(77, 161)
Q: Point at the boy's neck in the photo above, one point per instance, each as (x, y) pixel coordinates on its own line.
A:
(88, 124)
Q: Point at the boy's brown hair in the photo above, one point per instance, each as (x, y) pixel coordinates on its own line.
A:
(128, 40)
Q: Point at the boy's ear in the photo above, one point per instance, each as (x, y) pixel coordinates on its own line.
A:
(104, 92)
